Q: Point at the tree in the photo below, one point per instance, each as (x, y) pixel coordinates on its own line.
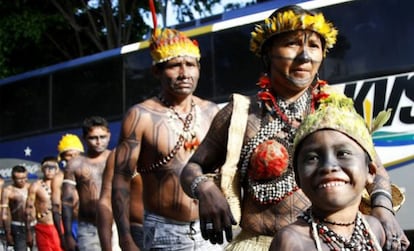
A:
(103, 24)
(26, 30)
(53, 31)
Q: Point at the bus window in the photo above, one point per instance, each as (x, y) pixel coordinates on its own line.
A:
(24, 107)
(93, 89)
(140, 84)
(372, 39)
(207, 84)
(237, 67)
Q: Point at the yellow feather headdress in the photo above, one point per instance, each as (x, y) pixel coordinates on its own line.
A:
(289, 21)
(167, 43)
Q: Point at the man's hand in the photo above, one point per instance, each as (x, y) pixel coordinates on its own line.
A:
(63, 242)
(215, 214)
(396, 239)
(9, 238)
(29, 238)
(129, 245)
(70, 242)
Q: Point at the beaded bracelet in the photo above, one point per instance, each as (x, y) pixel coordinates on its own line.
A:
(195, 183)
(392, 211)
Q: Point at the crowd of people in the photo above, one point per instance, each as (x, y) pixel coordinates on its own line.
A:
(58, 211)
(166, 186)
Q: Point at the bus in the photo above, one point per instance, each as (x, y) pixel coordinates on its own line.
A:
(373, 63)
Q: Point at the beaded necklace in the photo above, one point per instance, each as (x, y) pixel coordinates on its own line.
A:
(282, 130)
(362, 237)
(186, 137)
(286, 120)
(342, 224)
(191, 141)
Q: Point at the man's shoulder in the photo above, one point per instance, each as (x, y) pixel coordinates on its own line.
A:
(35, 184)
(103, 157)
(149, 105)
(13, 190)
(78, 159)
(8, 188)
(98, 160)
(76, 162)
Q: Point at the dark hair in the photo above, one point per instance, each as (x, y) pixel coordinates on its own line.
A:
(49, 158)
(18, 169)
(94, 121)
(267, 44)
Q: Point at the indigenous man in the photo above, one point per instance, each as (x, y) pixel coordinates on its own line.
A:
(13, 205)
(3, 242)
(158, 136)
(108, 235)
(39, 207)
(69, 147)
(84, 175)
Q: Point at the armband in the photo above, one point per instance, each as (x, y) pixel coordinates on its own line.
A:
(195, 183)
(70, 182)
(378, 192)
(4, 205)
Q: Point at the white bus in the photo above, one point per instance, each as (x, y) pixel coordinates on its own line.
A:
(373, 61)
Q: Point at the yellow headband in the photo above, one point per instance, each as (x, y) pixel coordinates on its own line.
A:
(289, 21)
(169, 43)
(70, 142)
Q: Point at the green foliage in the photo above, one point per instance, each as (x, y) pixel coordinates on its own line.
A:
(184, 9)
(37, 33)
(22, 35)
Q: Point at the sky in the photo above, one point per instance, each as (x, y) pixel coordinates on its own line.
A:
(171, 17)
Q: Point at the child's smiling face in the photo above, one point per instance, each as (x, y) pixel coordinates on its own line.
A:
(332, 169)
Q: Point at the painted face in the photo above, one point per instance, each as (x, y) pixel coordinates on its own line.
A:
(97, 139)
(332, 170)
(180, 76)
(295, 58)
(49, 169)
(19, 179)
(70, 154)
